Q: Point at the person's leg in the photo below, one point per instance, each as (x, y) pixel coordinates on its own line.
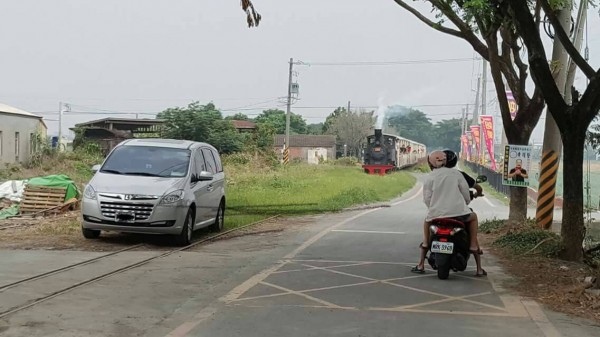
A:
(424, 247)
(473, 224)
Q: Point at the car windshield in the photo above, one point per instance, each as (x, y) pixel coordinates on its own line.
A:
(148, 161)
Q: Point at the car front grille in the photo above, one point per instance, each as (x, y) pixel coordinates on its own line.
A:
(110, 209)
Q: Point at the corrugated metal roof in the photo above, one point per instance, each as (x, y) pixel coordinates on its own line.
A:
(306, 140)
(12, 110)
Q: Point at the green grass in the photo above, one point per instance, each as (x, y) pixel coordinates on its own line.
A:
(488, 190)
(258, 193)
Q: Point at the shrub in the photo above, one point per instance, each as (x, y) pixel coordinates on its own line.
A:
(531, 241)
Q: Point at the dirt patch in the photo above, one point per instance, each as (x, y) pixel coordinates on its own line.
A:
(557, 284)
(63, 232)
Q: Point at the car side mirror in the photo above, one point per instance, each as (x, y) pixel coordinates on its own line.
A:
(96, 168)
(481, 179)
(203, 176)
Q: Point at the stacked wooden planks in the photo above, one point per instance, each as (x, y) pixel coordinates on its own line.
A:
(37, 199)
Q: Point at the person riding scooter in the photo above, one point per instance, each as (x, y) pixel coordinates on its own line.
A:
(446, 194)
(473, 225)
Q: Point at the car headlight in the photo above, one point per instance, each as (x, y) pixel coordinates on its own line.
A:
(89, 192)
(172, 197)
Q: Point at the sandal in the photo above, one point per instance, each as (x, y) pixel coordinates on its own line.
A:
(418, 270)
(483, 273)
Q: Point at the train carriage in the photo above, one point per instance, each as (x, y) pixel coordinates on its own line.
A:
(385, 153)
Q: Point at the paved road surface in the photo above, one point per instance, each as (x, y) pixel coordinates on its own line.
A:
(339, 275)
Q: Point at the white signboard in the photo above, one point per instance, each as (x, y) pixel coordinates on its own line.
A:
(517, 164)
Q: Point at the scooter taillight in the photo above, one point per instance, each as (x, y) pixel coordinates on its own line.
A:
(444, 231)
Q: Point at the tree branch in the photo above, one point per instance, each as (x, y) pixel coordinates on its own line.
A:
(507, 122)
(541, 74)
(464, 28)
(428, 22)
(590, 101)
(252, 16)
(566, 41)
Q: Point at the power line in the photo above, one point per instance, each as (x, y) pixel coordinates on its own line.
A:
(385, 63)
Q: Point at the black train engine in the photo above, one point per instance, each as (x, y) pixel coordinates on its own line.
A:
(380, 153)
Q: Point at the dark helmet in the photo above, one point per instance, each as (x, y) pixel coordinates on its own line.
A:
(451, 158)
(436, 159)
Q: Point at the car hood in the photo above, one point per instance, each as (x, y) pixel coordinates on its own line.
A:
(131, 184)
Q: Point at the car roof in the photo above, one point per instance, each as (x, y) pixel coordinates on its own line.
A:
(159, 142)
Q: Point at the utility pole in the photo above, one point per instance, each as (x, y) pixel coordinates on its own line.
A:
(476, 115)
(348, 106)
(483, 111)
(578, 39)
(60, 112)
(287, 115)
(552, 147)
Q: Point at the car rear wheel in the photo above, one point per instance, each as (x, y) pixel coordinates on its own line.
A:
(90, 233)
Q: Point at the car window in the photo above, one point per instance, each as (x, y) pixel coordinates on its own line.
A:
(148, 161)
(218, 160)
(211, 164)
(199, 161)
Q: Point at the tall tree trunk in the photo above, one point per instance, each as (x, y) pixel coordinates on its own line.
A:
(518, 205)
(573, 229)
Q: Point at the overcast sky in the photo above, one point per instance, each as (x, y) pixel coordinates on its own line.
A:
(143, 56)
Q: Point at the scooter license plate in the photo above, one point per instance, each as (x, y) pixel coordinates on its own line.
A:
(442, 247)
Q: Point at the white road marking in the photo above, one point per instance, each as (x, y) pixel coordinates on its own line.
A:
(411, 198)
(367, 232)
(489, 202)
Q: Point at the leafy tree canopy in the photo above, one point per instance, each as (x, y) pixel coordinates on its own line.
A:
(276, 118)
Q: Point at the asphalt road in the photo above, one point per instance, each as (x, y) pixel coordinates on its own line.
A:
(346, 274)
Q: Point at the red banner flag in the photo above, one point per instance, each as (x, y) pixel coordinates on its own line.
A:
(487, 123)
(476, 131)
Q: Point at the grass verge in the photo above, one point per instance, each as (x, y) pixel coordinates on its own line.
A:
(257, 193)
(487, 188)
(257, 187)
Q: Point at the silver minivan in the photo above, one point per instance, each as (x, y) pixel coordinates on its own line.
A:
(158, 186)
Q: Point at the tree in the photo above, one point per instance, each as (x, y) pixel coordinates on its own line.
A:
(352, 129)
(238, 117)
(489, 29)
(447, 134)
(573, 119)
(276, 118)
(202, 123)
(411, 124)
(315, 128)
(329, 120)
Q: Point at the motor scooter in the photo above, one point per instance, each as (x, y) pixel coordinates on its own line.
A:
(449, 242)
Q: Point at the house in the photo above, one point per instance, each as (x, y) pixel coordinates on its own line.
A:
(244, 126)
(20, 134)
(108, 132)
(309, 148)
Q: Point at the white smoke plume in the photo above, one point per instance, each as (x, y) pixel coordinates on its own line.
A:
(381, 109)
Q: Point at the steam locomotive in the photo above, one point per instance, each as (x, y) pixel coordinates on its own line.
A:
(385, 153)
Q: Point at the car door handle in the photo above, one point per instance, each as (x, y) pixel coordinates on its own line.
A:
(210, 188)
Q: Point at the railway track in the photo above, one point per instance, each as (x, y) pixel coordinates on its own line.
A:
(105, 275)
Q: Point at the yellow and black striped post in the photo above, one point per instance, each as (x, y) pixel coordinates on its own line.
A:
(547, 190)
(286, 155)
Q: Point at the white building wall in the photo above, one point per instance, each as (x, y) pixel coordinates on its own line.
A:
(16, 137)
